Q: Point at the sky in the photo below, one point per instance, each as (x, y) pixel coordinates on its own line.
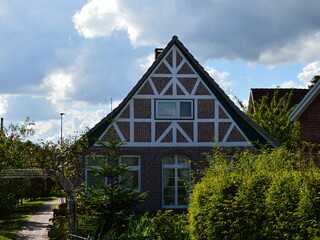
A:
(83, 57)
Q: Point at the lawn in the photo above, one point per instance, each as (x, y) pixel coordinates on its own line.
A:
(11, 224)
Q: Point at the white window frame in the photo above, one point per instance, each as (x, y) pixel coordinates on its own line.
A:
(176, 167)
(134, 168)
(177, 109)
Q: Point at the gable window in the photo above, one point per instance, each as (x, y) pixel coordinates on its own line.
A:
(175, 181)
(132, 177)
(174, 109)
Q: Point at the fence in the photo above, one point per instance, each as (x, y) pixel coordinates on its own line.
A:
(155, 237)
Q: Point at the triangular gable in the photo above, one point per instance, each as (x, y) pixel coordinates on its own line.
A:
(181, 76)
(305, 102)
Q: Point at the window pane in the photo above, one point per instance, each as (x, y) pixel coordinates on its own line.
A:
(183, 201)
(92, 179)
(167, 109)
(185, 109)
(168, 182)
(132, 178)
(169, 160)
(184, 172)
(168, 172)
(95, 161)
(169, 200)
(183, 191)
(182, 160)
(168, 190)
(183, 181)
(132, 161)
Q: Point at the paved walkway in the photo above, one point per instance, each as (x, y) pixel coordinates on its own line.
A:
(36, 226)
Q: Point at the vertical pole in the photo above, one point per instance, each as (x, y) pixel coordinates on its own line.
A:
(2, 125)
(61, 138)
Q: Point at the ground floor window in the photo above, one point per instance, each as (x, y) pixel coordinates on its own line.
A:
(133, 177)
(175, 181)
(93, 162)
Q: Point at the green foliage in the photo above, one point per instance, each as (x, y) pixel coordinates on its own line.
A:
(59, 228)
(272, 116)
(108, 202)
(313, 81)
(167, 222)
(272, 195)
(163, 225)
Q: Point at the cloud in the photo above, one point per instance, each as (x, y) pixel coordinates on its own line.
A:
(220, 78)
(256, 31)
(309, 71)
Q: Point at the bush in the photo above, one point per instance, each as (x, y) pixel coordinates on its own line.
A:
(273, 195)
(59, 228)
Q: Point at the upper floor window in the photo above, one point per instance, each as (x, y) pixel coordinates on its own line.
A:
(174, 109)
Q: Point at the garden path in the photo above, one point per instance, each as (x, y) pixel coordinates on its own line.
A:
(36, 226)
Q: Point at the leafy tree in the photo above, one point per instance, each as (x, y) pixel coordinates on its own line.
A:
(314, 80)
(272, 116)
(272, 195)
(108, 201)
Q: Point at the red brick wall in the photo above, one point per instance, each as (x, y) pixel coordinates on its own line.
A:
(151, 169)
(310, 122)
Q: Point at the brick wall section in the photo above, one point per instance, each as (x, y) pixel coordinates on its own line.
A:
(142, 108)
(146, 89)
(125, 113)
(188, 83)
(185, 69)
(160, 128)
(222, 114)
(187, 127)
(205, 132)
(236, 136)
(162, 69)
(178, 59)
(205, 108)
(223, 128)
(124, 127)
(160, 82)
(142, 132)
(169, 59)
(169, 91)
(151, 168)
(310, 122)
(201, 90)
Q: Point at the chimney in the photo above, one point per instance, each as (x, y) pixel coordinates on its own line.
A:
(157, 52)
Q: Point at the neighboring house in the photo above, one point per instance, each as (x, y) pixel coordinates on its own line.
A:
(174, 114)
(307, 112)
(256, 95)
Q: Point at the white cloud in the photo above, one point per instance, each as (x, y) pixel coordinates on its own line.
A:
(302, 49)
(220, 78)
(4, 103)
(59, 84)
(214, 29)
(309, 71)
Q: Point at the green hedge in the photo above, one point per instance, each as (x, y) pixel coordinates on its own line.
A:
(272, 195)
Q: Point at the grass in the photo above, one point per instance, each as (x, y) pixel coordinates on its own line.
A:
(12, 223)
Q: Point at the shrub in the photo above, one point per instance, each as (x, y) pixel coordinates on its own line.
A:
(271, 195)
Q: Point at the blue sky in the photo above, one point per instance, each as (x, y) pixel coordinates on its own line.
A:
(74, 56)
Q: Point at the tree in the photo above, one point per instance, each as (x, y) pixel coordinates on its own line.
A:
(314, 80)
(273, 117)
(271, 195)
(108, 200)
